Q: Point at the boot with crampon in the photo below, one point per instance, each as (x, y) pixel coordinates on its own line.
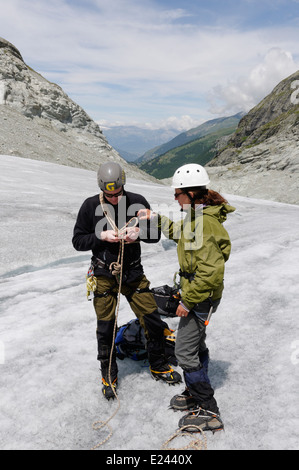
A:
(109, 391)
(183, 402)
(166, 374)
(203, 419)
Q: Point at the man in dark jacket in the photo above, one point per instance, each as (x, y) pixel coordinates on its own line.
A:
(97, 229)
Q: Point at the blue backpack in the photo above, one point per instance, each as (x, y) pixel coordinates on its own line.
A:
(130, 342)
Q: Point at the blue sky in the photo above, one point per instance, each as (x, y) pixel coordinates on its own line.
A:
(157, 63)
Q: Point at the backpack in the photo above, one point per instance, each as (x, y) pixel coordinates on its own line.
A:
(167, 299)
(130, 342)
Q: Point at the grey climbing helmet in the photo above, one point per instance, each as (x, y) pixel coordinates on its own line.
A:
(111, 176)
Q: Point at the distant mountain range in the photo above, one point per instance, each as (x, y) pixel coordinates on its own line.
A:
(208, 127)
(198, 145)
(256, 156)
(132, 142)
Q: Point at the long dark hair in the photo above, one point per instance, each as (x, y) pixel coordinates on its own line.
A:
(205, 196)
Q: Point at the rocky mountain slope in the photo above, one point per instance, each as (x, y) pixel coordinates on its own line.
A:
(261, 159)
(39, 121)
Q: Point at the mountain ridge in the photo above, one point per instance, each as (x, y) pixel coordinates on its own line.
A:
(133, 141)
(40, 121)
(208, 127)
(200, 145)
(261, 159)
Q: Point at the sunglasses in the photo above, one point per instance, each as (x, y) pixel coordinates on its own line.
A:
(176, 195)
(110, 196)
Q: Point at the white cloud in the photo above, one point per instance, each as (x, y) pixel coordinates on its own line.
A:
(179, 124)
(131, 60)
(245, 92)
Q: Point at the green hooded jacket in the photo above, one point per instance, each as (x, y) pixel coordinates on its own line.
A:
(203, 248)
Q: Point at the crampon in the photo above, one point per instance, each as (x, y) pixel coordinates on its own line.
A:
(204, 419)
(108, 391)
(169, 376)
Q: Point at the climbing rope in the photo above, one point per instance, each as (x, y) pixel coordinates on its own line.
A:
(199, 443)
(121, 233)
(98, 425)
(116, 269)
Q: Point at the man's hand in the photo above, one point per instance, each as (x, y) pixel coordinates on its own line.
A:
(109, 236)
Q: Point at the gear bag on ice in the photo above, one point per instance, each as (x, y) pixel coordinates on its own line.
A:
(130, 342)
(167, 299)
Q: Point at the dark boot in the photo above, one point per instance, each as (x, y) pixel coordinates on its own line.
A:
(201, 419)
(104, 333)
(198, 383)
(159, 366)
(183, 402)
(109, 391)
(168, 375)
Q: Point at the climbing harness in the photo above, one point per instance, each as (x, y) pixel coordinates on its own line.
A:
(189, 276)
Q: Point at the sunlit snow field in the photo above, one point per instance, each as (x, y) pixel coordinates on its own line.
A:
(50, 380)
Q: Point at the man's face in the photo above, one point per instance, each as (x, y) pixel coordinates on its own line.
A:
(114, 196)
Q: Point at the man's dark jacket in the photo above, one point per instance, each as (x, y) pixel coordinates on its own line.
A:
(91, 222)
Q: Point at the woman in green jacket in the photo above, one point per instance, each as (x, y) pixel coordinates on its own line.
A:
(203, 247)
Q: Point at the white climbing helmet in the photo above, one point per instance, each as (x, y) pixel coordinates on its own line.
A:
(190, 176)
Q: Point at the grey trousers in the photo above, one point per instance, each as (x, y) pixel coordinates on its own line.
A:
(191, 337)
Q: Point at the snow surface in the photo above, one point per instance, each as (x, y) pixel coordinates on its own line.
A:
(50, 381)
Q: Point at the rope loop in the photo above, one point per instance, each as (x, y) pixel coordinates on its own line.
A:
(196, 444)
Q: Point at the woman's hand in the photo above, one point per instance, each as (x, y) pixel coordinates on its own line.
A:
(181, 311)
(145, 214)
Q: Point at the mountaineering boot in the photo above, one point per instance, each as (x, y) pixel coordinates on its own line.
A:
(167, 374)
(199, 385)
(204, 419)
(183, 402)
(108, 391)
(159, 366)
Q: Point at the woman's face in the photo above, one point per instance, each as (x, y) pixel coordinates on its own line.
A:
(182, 198)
